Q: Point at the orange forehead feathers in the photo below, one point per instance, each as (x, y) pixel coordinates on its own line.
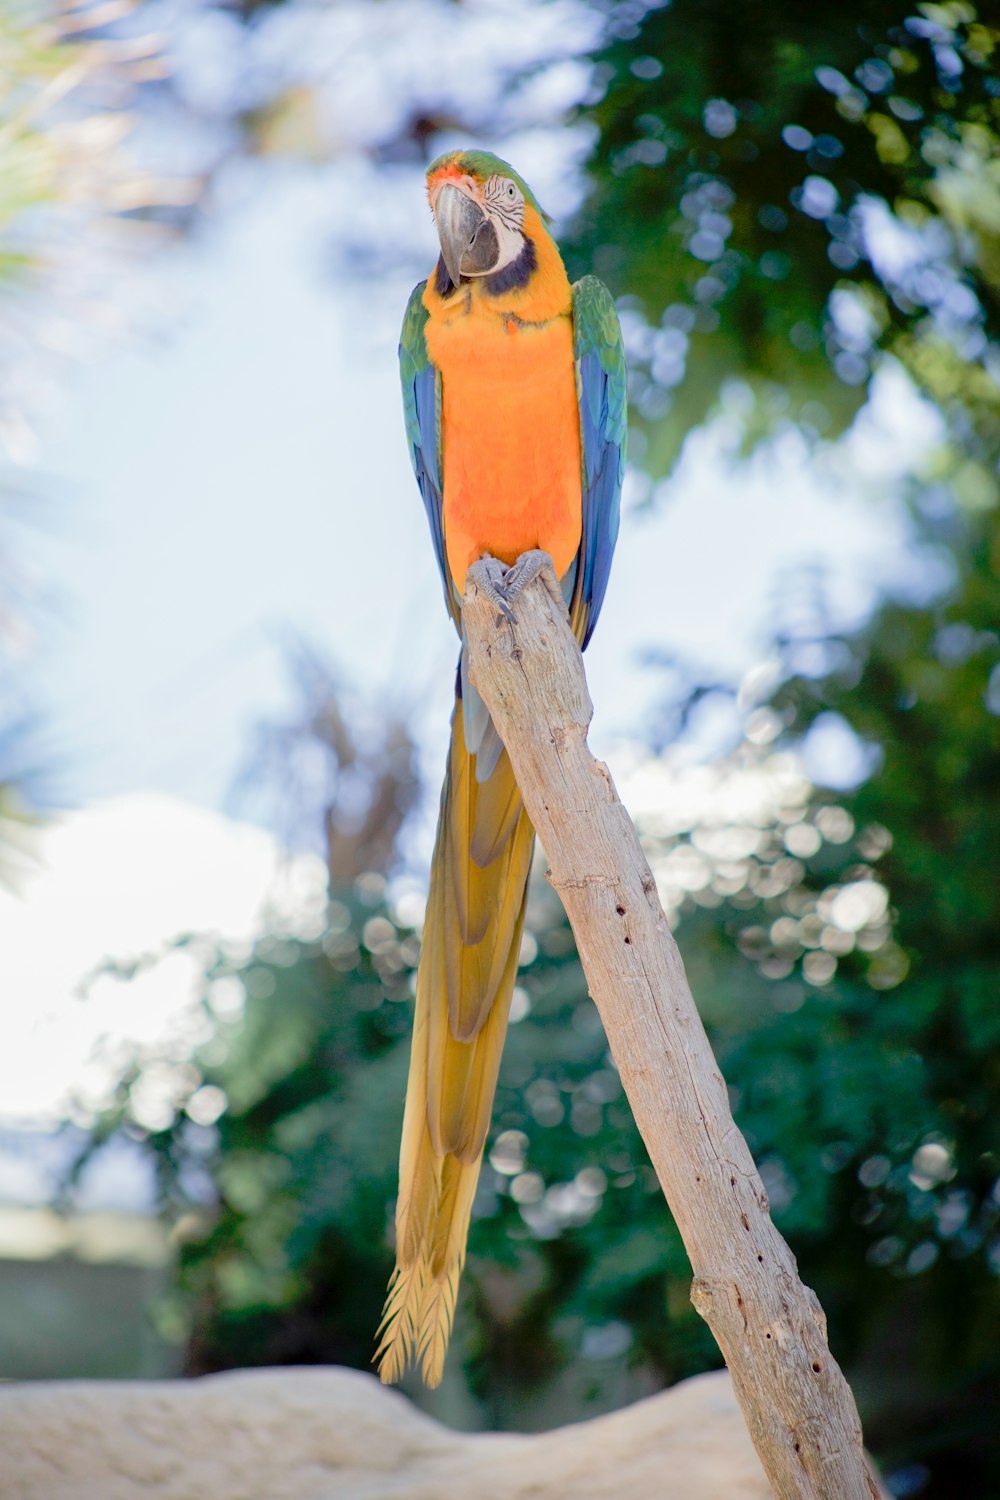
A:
(447, 168)
(450, 171)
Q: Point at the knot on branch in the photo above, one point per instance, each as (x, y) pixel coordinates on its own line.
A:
(560, 883)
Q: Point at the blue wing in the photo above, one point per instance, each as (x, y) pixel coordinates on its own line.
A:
(600, 387)
(421, 382)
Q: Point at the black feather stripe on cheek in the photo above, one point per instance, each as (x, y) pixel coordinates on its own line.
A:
(517, 274)
(443, 283)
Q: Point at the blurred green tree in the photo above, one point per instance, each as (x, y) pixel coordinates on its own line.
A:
(791, 195)
(843, 952)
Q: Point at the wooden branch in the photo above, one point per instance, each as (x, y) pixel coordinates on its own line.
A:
(770, 1328)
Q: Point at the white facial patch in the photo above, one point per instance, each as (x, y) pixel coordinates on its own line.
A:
(503, 201)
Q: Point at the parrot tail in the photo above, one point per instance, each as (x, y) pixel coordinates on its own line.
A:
(468, 964)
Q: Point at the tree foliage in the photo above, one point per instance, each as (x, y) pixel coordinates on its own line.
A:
(842, 951)
(788, 197)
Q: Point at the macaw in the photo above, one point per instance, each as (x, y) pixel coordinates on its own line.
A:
(514, 398)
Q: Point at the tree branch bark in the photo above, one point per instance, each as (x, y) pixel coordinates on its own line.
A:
(771, 1329)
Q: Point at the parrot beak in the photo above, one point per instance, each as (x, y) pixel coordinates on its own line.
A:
(468, 240)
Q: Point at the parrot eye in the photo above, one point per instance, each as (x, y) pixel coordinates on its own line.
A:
(511, 190)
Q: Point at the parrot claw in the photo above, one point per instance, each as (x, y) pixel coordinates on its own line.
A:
(525, 571)
(489, 575)
(501, 584)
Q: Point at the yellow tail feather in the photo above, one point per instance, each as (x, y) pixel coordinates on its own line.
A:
(468, 964)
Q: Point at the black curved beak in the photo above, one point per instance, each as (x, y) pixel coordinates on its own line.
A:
(468, 240)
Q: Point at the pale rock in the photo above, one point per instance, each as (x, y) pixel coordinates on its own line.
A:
(336, 1434)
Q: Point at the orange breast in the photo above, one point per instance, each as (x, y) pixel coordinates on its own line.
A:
(511, 436)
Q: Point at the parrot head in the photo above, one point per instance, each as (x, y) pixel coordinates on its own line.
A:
(485, 214)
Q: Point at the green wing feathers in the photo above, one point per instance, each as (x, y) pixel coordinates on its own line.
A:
(468, 964)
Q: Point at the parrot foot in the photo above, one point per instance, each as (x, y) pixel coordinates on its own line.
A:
(489, 575)
(525, 571)
(501, 584)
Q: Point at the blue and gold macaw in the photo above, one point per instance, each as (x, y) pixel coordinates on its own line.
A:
(514, 396)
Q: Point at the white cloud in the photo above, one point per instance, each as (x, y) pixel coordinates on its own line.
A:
(119, 881)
